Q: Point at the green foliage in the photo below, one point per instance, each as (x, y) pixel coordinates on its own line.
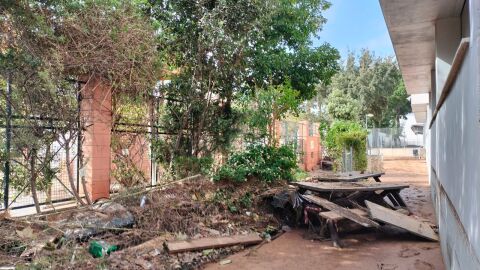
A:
(374, 84)
(227, 198)
(222, 51)
(265, 163)
(261, 111)
(282, 49)
(398, 106)
(341, 106)
(300, 175)
(205, 42)
(345, 134)
(246, 200)
(47, 46)
(184, 166)
(127, 174)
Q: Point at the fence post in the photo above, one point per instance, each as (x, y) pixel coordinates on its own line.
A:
(8, 135)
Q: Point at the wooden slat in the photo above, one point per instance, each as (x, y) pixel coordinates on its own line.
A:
(451, 77)
(212, 242)
(346, 177)
(347, 213)
(332, 215)
(395, 218)
(348, 187)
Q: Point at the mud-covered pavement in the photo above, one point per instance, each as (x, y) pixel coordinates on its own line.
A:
(363, 251)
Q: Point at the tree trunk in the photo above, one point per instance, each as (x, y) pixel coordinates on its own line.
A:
(33, 180)
(70, 173)
(82, 177)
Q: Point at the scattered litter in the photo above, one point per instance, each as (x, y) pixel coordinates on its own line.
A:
(207, 252)
(104, 217)
(143, 201)
(224, 262)
(26, 233)
(99, 249)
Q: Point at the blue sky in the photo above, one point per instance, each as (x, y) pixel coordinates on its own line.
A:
(356, 24)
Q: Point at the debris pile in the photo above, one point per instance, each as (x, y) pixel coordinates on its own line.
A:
(142, 228)
(332, 206)
(186, 225)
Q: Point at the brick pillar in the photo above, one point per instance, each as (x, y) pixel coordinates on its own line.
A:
(96, 112)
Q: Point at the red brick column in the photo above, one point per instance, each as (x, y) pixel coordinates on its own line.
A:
(96, 112)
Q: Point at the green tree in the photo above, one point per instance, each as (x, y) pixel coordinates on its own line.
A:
(262, 110)
(375, 83)
(398, 106)
(341, 106)
(283, 51)
(223, 50)
(342, 135)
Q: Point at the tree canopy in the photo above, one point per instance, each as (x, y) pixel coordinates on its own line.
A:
(374, 83)
(223, 50)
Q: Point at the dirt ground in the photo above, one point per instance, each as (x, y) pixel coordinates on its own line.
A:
(363, 251)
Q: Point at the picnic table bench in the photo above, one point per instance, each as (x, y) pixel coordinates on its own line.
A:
(345, 196)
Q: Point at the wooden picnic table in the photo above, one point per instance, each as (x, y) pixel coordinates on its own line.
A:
(348, 176)
(359, 191)
(349, 186)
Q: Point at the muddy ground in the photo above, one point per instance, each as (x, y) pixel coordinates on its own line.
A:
(365, 250)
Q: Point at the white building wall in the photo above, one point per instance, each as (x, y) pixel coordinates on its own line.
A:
(454, 151)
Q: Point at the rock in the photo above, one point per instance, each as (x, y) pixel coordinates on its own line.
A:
(286, 228)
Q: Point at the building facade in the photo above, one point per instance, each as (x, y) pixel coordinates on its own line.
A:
(437, 44)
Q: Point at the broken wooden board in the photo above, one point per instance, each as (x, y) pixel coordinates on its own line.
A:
(155, 243)
(332, 215)
(348, 186)
(346, 177)
(397, 219)
(212, 242)
(345, 212)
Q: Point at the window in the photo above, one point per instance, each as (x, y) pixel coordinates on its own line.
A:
(310, 129)
(465, 16)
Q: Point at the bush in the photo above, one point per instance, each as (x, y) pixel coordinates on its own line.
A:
(184, 166)
(345, 134)
(266, 163)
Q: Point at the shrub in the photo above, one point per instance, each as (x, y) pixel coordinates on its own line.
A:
(185, 166)
(346, 134)
(266, 163)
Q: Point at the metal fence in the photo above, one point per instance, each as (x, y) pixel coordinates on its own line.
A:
(393, 138)
(52, 182)
(395, 142)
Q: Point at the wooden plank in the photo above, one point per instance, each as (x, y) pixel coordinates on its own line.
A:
(212, 242)
(348, 187)
(345, 212)
(395, 218)
(346, 177)
(332, 215)
(155, 243)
